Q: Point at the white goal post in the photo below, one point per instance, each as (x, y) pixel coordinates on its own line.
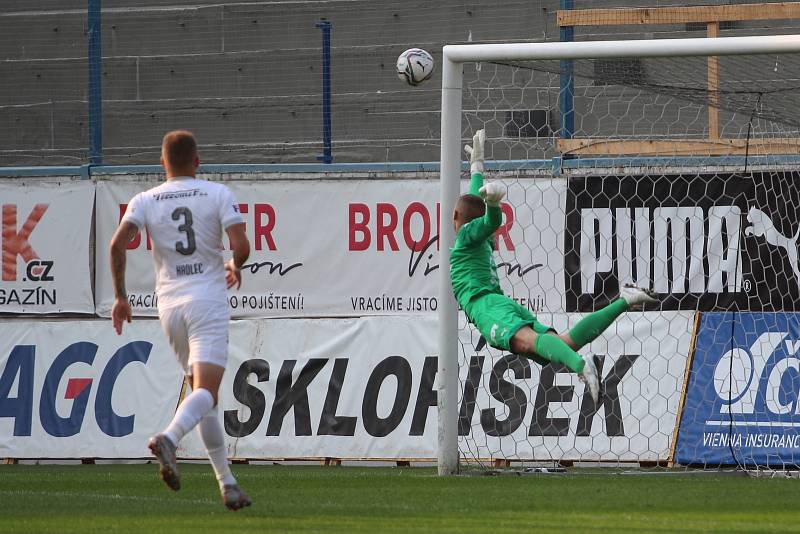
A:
(454, 56)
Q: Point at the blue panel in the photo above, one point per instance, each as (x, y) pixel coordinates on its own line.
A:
(327, 155)
(494, 165)
(20, 172)
(95, 86)
(342, 168)
(752, 419)
(617, 163)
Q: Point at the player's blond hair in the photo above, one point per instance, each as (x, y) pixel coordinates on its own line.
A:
(179, 148)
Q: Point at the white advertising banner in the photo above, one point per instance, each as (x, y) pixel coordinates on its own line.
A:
(351, 247)
(346, 388)
(45, 241)
(74, 389)
(523, 410)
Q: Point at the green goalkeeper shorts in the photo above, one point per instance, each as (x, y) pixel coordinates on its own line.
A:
(498, 318)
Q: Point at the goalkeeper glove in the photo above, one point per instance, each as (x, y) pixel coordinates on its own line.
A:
(492, 193)
(475, 152)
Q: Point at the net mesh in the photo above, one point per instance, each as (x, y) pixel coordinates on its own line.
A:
(715, 237)
(43, 72)
(247, 76)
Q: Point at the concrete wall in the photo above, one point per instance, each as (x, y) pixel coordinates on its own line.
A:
(246, 77)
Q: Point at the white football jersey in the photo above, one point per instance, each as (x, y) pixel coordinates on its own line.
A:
(186, 219)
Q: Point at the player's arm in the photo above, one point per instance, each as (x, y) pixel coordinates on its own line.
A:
(233, 224)
(241, 251)
(492, 193)
(121, 311)
(483, 228)
(475, 152)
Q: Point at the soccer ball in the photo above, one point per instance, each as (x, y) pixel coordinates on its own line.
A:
(415, 65)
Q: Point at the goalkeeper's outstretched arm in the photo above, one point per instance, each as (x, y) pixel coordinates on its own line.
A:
(475, 152)
(491, 193)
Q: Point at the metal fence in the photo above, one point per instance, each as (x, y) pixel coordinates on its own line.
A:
(102, 82)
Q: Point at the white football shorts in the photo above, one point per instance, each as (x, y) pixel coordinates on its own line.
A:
(197, 331)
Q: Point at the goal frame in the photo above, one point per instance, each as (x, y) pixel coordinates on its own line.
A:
(453, 59)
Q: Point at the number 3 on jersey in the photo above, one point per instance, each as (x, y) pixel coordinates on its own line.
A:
(190, 246)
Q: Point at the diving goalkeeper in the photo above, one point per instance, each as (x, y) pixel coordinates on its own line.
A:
(505, 324)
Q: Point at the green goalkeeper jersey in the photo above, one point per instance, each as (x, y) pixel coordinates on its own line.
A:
(473, 271)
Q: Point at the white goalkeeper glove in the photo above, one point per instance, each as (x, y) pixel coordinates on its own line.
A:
(492, 193)
(475, 152)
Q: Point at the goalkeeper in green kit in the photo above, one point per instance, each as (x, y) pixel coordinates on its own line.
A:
(504, 323)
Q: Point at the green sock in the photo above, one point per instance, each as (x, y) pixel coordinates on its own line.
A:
(595, 323)
(552, 348)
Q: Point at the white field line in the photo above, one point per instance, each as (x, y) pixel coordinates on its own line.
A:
(108, 496)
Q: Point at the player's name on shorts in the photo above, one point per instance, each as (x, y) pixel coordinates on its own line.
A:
(188, 269)
(186, 193)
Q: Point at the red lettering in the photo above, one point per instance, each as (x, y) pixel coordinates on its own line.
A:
(505, 228)
(358, 227)
(417, 226)
(16, 243)
(385, 229)
(417, 245)
(264, 229)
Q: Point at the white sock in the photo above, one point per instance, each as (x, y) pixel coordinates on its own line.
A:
(193, 407)
(213, 437)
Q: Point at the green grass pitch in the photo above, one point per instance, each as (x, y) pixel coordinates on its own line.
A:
(130, 498)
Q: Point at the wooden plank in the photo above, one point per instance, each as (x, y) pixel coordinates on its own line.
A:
(678, 15)
(684, 390)
(713, 87)
(650, 464)
(678, 147)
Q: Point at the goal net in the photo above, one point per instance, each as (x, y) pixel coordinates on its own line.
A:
(676, 173)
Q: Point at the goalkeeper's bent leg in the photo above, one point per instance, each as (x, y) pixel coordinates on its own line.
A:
(594, 324)
(549, 347)
(553, 348)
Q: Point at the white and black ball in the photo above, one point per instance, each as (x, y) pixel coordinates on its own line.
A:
(414, 66)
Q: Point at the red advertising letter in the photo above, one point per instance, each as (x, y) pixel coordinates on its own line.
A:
(384, 228)
(359, 227)
(417, 245)
(16, 243)
(264, 228)
(505, 228)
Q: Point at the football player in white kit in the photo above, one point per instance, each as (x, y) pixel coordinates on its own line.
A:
(186, 218)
